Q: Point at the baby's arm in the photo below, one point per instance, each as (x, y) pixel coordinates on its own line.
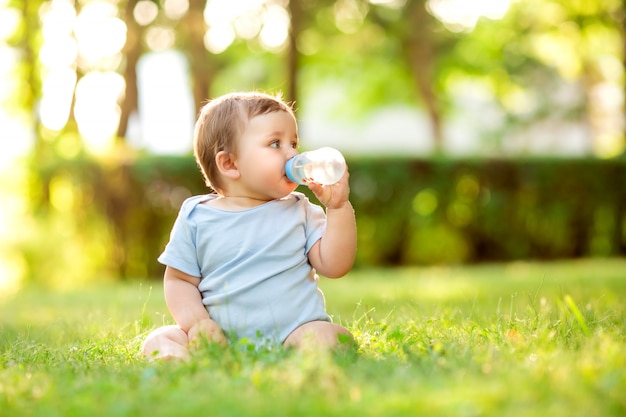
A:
(185, 304)
(333, 255)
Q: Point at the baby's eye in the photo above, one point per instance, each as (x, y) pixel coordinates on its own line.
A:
(294, 145)
(275, 144)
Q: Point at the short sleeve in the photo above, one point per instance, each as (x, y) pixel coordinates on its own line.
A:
(315, 224)
(180, 252)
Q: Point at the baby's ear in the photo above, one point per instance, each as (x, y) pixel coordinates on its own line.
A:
(226, 164)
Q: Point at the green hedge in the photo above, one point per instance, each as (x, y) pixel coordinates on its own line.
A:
(448, 211)
(409, 211)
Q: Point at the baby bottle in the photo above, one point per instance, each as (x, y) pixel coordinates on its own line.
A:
(323, 166)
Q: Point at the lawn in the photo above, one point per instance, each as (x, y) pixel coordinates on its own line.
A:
(520, 339)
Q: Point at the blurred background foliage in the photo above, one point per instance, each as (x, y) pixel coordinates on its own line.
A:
(519, 150)
(410, 211)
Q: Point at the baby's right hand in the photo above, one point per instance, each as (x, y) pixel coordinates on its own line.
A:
(209, 330)
(335, 195)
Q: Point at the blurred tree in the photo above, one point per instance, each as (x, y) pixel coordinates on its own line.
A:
(385, 52)
(565, 68)
(203, 64)
(344, 51)
(27, 40)
(423, 44)
(190, 28)
(554, 60)
(293, 61)
(133, 49)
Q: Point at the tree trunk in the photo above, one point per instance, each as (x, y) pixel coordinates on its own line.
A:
(295, 11)
(42, 150)
(132, 52)
(32, 93)
(420, 52)
(202, 67)
(623, 27)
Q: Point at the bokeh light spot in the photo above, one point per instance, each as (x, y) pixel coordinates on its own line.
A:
(425, 202)
(145, 12)
(468, 188)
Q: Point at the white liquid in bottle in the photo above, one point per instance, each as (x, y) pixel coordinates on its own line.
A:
(323, 166)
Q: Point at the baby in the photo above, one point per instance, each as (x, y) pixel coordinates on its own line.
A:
(241, 262)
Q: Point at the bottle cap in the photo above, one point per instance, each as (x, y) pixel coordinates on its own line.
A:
(289, 170)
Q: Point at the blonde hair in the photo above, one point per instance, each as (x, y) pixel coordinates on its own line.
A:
(220, 123)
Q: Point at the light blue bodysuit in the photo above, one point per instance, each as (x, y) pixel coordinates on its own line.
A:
(256, 281)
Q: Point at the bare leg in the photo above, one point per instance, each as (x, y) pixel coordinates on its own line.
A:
(166, 343)
(319, 334)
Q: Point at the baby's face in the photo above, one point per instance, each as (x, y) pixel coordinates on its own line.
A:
(265, 145)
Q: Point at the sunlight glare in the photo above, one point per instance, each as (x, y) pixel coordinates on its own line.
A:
(392, 4)
(12, 269)
(463, 15)
(246, 19)
(97, 112)
(100, 34)
(607, 101)
(165, 123)
(160, 38)
(609, 145)
(9, 58)
(13, 225)
(9, 21)
(218, 11)
(15, 137)
(557, 51)
(58, 54)
(145, 12)
(58, 88)
(57, 17)
(58, 51)
(175, 9)
(248, 25)
(275, 27)
(219, 37)
(610, 67)
(16, 141)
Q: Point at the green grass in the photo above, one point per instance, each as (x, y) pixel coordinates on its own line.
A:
(523, 339)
